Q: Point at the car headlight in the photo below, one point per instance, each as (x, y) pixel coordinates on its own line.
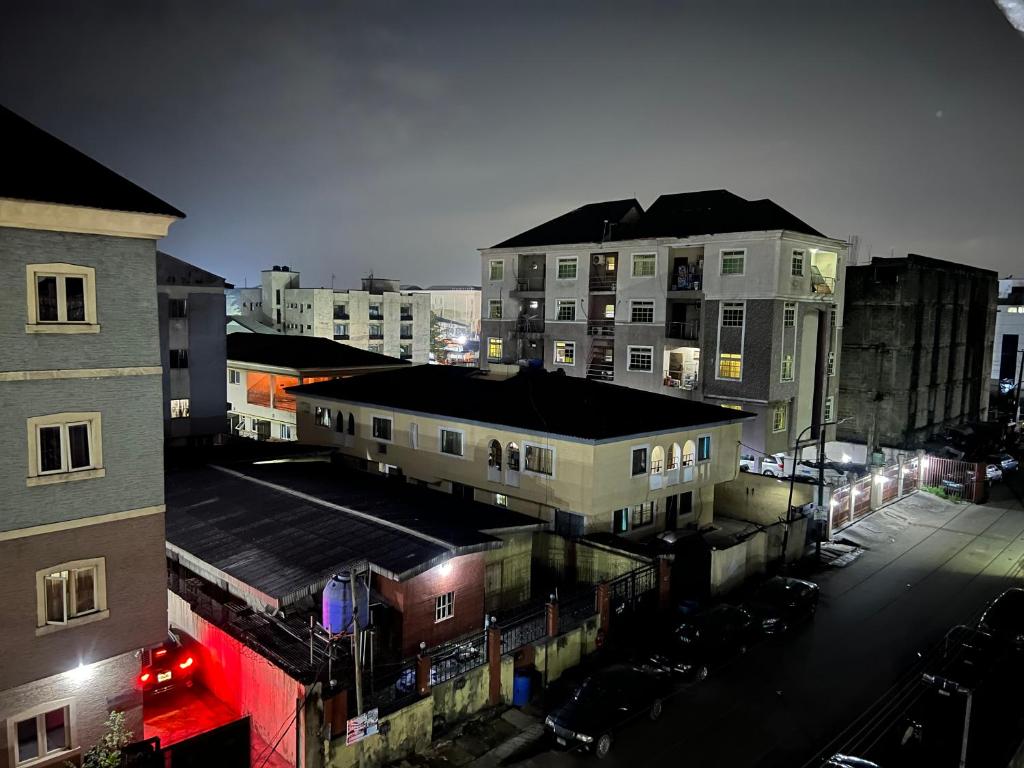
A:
(584, 739)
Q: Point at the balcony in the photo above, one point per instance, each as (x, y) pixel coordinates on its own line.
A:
(375, 315)
(341, 337)
(340, 314)
(528, 285)
(602, 283)
(376, 335)
(405, 317)
(604, 328)
(688, 330)
(405, 335)
(529, 324)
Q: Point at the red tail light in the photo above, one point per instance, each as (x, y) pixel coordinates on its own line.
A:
(187, 663)
(144, 677)
(161, 652)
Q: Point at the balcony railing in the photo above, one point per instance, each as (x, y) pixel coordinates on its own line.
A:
(529, 284)
(405, 355)
(688, 330)
(405, 335)
(601, 327)
(340, 314)
(376, 336)
(822, 285)
(375, 315)
(405, 317)
(341, 337)
(529, 324)
(602, 283)
(690, 281)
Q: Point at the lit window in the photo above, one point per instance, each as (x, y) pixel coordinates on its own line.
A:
(494, 309)
(732, 315)
(638, 462)
(179, 408)
(730, 366)
(829, 408)
(643, 514)
(567, 268)
(63, 445)
(41, 735)
(798, 264)
(831, 367)
(381, 428)
(566, 309)
(540, 460)
(732, 262)
(497, 270)
(780, 418)
(322, 416)
(444, 606)
(789, 314)
(494, 348)
(609, 263)
(565, 352)
(640, 358)
(787, 367)
(641, 311)
(451, 442)
(704, 448)
(609, 311)
(501, 499)
(644, 264)
(732, 406)
(234, 376)
(61, 295)
(178, 358)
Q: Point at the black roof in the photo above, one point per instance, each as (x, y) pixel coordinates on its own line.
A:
(278, 528)
(534, 400)
(40, 167)
(302, 352)
(592, 223)
(170, 270)
(685, 214)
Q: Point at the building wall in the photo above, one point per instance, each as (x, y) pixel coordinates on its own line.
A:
(1009, 320)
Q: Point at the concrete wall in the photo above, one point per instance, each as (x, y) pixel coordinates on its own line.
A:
(759, 499)
(731, 567)
(507, 571)
(409, 731)
(554, 655)
(462, 696)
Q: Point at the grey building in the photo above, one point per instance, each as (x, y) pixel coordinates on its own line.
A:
(703, 296)
(190, 301)
(82, 563)
(917, 345)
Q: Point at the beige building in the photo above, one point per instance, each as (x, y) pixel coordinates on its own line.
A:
(583, 455)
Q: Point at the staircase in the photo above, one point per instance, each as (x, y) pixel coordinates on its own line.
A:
(601, 361)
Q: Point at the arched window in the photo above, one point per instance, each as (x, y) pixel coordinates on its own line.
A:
(657, 460)
(513, 457)
(674, 455)
(339, 425)
(351, 423)
(688, 450)
(494, 454)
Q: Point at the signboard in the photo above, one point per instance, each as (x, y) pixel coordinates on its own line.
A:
(358, 728)
(820, 513)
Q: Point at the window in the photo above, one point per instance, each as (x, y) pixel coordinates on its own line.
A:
(832, 318)
(780, 418)
(497, 270)
(789, 314)
(405, 310)
(405, 351)
(61, 298)
(375, 331)
(178, 358)
(620, 521)
(381, 428)
(566, 309)
(638, 462)
(644, 264)
(494, 349)
(64, 446)
(732, 261)
(609, 311)
(730, 366)
(494, 309)
(176, 308)
(405, 329)
(829, 408)
(378, 348)
(567, 267)
(444, 605)
(642, 514)
(451, 442)
(277, 296)
(375, 312)
(40, 735)
(798, 264)
(322, 416)
(830, 369)
(501, 499)
(234, 376)
(539, 460)
(341, 329)
(640, 358)
(285, 431)
(512, 454)
(787, 368)
(704, 448)
(565, 352)
(641, 311)
(179, 408)
(414, 435)
(732, 314)
(70, 593)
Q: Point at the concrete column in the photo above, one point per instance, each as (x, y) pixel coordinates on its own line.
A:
(551, 617)
(604, 605)
(980, 484)
(422, 675)
(899, 478)
(876, 488)
(494, 664)
(920, 467)
(664, 584)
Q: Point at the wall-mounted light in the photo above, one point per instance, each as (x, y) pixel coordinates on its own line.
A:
(81, 673)
(445, 568)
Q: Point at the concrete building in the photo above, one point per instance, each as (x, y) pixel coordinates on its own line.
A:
(379, 318)
(586, 456)
(1008, 347)
(82, 564)
(192, 349)
(917, 344)
(705, 296)
(455, 322)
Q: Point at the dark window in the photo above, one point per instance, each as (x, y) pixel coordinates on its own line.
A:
(179, 358)
(686, 503)
(46, 288)
(643, 514)
(704, 448)
(351, 423)
(74, 297)
(381, 428)
(176, 308)
(620, 521)
(78, 445)
(639, 461)
(1008, 357)
(49, 449)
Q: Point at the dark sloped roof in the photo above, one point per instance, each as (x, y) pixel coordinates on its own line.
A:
(42, 168)
(715, 211)
(170, 270)
(302, 352)
(586, 224)
(533, 400)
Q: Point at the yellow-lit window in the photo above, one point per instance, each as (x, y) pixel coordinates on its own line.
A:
(729, 366)
(494, 349)
(780, 418)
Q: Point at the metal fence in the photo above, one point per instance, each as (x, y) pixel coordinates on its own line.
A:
(575, 609)
(523, 630)
(457, 657)
(951, 476)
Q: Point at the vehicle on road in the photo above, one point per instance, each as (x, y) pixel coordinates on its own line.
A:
(172, 664)
(964, 659)
(846, 761)
(1004, 461)
(1004, 617)
(704, 641)
(604, 702)
(809, 470)
(747, 463)
(993, 473)
(781, 602)
(773, 466)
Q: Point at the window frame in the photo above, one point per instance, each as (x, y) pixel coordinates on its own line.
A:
(830, 363)
(644, 257)
(629, 358)
(61, 271)
(777, 410)
(649, 506)
(524, 452)
(493, 304)
(733, 253)
(99, 610)
(491, 340)
(374, 418)
(642, 304)
(181, 355)
(566, 346)
(38, 713)
(697, 447)
(733, 307)
(786, 374)
(646, 449)
(187, 410)
(234, 376)
(828, 411)
(797, 257)
(462, 441)
(500, 263)
(444, 606)
(730, 355)
(93, 420)
(789, 314)
(567, 260)
(183, 303)
(565, 303)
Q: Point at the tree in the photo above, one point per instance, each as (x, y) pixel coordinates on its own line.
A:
(107, 752)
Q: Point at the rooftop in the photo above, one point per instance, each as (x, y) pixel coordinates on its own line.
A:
(302, 352)
(534, 400)
(170, 270)
(40, 167)
(592, 223)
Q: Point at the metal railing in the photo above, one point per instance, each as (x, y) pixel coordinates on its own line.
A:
(527, 284)
(525, 629)
(601, 327)
(575, 609)
(688, 330)
(457, 658)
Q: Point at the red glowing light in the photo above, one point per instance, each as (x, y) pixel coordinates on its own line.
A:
(161, 652)
(186, 663)
(145, 676)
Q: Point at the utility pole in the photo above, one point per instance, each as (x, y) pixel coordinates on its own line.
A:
(358, 665)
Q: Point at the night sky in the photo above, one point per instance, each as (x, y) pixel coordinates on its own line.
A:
(400, 137)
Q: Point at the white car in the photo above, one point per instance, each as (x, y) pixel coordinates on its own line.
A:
(993, 473)
(773, 466)
(747, 463)
(808, 470)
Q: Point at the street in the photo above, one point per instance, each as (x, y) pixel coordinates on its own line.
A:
(928, 564)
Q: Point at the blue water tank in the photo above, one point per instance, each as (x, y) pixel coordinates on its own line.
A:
(521, 689)
(338, 604)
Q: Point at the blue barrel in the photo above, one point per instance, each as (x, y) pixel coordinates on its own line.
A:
(337, 604)
(521, 689)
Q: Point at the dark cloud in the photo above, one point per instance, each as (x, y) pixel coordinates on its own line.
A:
(400, 137)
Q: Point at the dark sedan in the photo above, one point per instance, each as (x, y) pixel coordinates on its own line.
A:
(781, 602)
(704, 641)
(1004, 617)
(171, 664)
(604, 701)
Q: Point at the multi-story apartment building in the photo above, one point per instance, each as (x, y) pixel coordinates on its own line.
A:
(190, 301)
(704, 296)
(82, 564)
(918, 348)
(455, 322)
(583, 455)
(1008, 347)
(379, 318)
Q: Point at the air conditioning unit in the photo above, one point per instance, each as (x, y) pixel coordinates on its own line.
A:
(598, 260)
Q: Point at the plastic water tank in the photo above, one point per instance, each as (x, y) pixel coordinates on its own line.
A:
(521, 689)
(337, 604)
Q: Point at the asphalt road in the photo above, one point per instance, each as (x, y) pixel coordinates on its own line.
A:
(928, 565)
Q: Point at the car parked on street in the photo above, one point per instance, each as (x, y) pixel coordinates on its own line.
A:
(1004, 461)
(1004, 617)
(704, 641)
(172, 664)
(773, 466)
(809, 471)
(604, 702)
(847, 761)
(748, 463)
(993, 473)
(781, 602)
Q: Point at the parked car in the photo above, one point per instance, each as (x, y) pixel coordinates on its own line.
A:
(773, 466)
(780, 602)
(993, 473)
(604, 701)
(1004, 461)
(704, 641)
(1004, 617)
(747, 463)
(846, 761)
(964, 659)
(808, 470)
(172, 664)
(957, 483)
